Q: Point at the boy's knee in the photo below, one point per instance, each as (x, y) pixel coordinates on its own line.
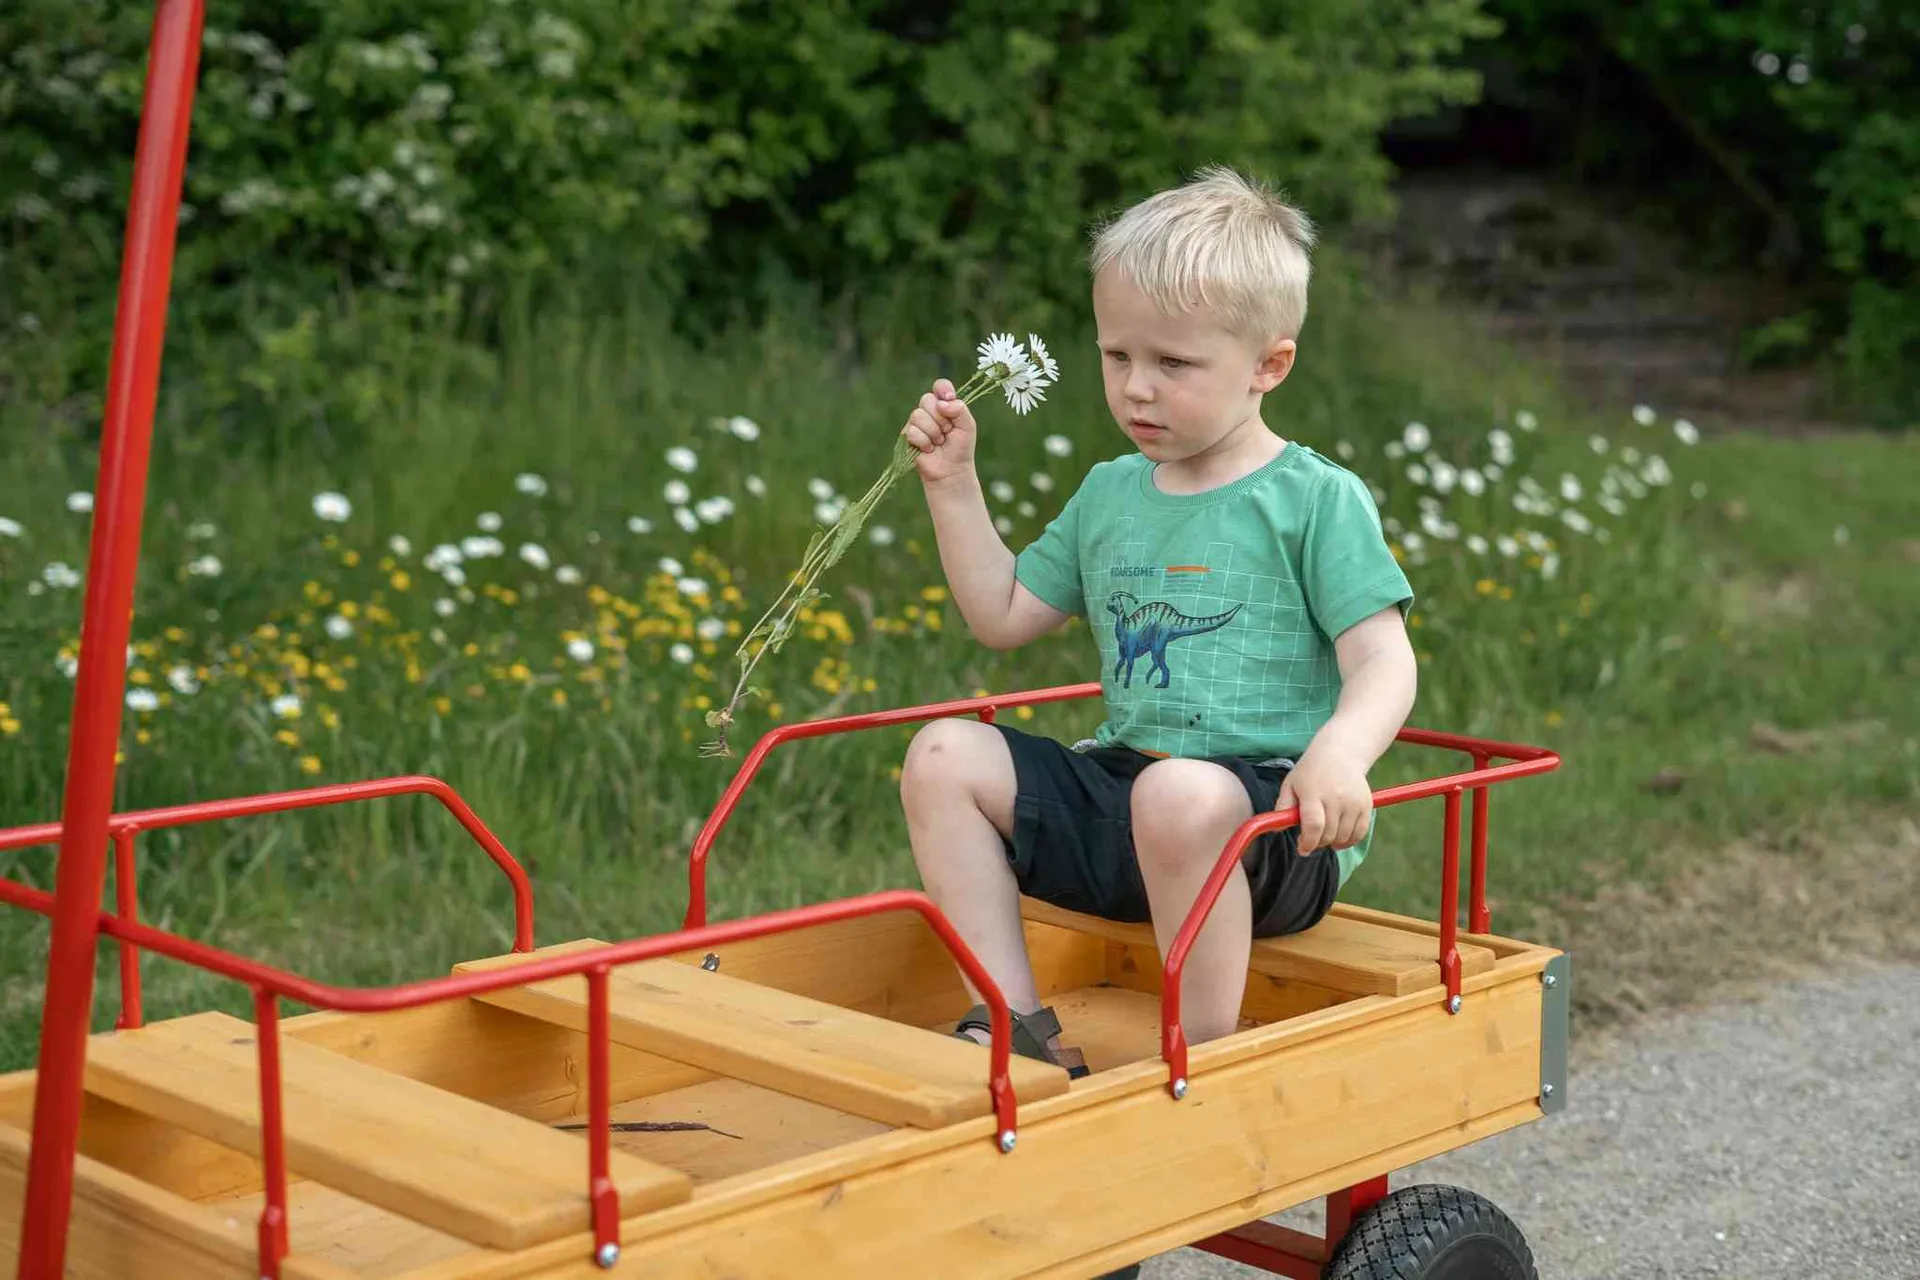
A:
(949, 757)
(1182, 809)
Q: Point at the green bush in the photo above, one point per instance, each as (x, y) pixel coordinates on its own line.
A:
(705, 146)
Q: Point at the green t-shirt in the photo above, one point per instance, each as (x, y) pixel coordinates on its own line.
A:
(1216, 612)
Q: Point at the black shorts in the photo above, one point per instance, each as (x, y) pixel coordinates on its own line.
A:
(1072, 842)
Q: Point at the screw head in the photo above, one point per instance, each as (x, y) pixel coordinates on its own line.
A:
(1550, 980)
(607, 1255)
(1180, 1087)
(1546, 1091)
(1453, 1004)
(1007, 1138)
(711, 962)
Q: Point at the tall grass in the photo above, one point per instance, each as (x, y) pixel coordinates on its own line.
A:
(562, 692)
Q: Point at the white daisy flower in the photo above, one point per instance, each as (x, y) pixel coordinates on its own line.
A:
(681, 458)
(338, 627)
(60, 575)
(1417, 473)
(536, 555)
(756, 486)
(488, 522)
(1041, 482)
(880, 535)
(286, 706)
(182, 679)
(1414, 542)
(80, 502)
(671, 567)
(1394, 450)
(676, 492)
(1492, 471)
(1003, 524)
(1444, 477)
(1686, 431)
(67, 666)
(1002, 349)
(1049, 367)
(1476, 544)
(639, 524)
(820, 489)
(681, 653)
(1698, 489)
(1569, 488)
(1416, 437)
(1509, 547)
(1525, 420)
(204, 567)
(1612, 505)
(714, 510)
(453, 575)
(438, 636)
(1472, 483)
(743, 428)
(567, 575)
(445, 607)
(142, 700)
(1655, 472)
(1576, 521)
(1057, 445)
(1344, 449)
(332, 507)
(1644, 415)
(686, 519)
(11, 528)
(1597, 443)
(710, 628)
(1027, 510)
(532, 485)
(826, 512)
(399, 545)
(1001, 491)
(444, 554)
(1549, 565)
(580, 649)
(475, 547)
(1024, 389)
(200, 529)
(1630, 456)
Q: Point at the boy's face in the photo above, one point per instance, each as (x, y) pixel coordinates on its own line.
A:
(1180, 386)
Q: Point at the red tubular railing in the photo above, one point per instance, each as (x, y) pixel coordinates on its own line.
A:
(271, 985)
(124, 828)
(1527, 761)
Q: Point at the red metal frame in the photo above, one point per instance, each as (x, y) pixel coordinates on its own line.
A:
(87, 822)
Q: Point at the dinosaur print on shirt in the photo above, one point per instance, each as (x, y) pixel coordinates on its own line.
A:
(1147, 629)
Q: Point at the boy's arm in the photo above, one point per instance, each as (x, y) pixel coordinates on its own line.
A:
(1001, 613)
(1379, 678)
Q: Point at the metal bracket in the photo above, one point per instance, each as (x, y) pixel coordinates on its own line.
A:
(1556, 994)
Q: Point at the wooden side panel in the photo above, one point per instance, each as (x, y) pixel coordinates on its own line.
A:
(852, 1061)
(123, 1229)
(1341, 953)
(461, 1167)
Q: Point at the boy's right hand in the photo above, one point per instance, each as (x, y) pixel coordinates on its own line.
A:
(942, 430)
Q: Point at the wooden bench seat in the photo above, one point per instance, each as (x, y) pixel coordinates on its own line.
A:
(1342, 953)
(855, 1062)
(473, 1171)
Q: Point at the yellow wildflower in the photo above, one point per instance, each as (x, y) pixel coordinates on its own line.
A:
(142, 736)
(443, 704)
(1553, 719)
(933, 595)
(932, 620)
(309, 764)
(774, 709)
(559, 697)
(174, 634)
(348, 609)
(1023, 712)
(350, 558)
(1486, 586)
(9, 726)
(520, 671)
(287, 738)
(329, 718)
(139, 676)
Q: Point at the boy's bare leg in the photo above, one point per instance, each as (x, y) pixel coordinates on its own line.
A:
(1184, 811)
(957, 786)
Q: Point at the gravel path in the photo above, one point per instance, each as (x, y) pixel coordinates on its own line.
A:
(1777, 1139)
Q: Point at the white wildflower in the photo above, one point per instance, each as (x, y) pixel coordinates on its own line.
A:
(142, 700)
(438, 636)
(1416, 437)
(536, 555)
(338, 627)
(1058, 446)
(453, 575)
(692, 586)
(880, 535)
(1024, 388)
(681, 653)
(182, 679)
(671, 567)
(820, 489)
(743, 428)
(1525, 420)
(60, 575)
(1041, 482)
(1048, 366)
(488, 522)
(1344, 449)
(1027, 510)
(286, 706)
(1597, 443)
(639, 524)
(1698, 489)
(580, 649)
(826, 512)
(756, 486)
(445, 607)
(1644, 415)
(80, 502)
(399, 545)
(710, 628)
(1444, 476)
(1472, 483)
(1570, 488)
(1686, 431)
(444, 554)
(1611, 505)
(11, 528)
(1002, 349)
(1476, 544)
(1394, 450)
(714, 510)
(534, 486)
(567, 575)
(1549, 565)
(1001, 491)
(67, 666)
(1655, 472)
(474, 547)
(332, 507)
(1417, 473)
(1507, 546)
(683, 459)
(204, 567)
(676, 492)
(1003, 524)
(1576, 521)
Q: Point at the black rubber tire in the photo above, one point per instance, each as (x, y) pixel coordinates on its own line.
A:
(1432, 1233)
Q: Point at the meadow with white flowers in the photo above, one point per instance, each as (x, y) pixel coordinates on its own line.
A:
(536, 582)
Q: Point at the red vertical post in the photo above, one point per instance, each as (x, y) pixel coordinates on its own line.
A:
(273, 1140)
(133, 380)
(1479, 919)
(126, 893)
(603, 1197)
(1450, 901)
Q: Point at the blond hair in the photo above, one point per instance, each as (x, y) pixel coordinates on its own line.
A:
(1223, 241)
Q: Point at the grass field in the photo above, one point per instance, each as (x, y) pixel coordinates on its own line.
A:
(1738, 615)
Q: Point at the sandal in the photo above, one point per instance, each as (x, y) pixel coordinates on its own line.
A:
(1030, 1034)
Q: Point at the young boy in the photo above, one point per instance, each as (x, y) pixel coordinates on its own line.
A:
(1248, 612)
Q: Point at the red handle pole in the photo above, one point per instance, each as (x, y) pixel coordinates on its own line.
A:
(273, 1137)
(133, 382)
(126, 895)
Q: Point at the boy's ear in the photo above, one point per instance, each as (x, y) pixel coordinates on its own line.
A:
(1275, 364)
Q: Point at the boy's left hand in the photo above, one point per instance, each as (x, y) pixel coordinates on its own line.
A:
(1336, 805)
